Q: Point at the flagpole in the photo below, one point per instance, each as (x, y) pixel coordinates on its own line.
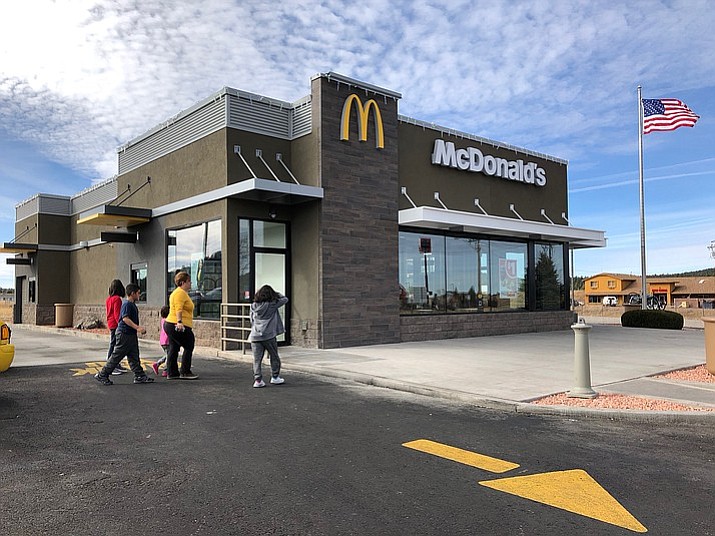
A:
(644, 289)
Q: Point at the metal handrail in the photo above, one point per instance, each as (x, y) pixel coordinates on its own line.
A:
(240, 322)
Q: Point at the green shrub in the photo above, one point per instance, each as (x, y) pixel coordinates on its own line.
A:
(646, 318)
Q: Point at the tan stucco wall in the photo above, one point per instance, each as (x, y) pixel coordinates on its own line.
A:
(249, 142)
(52, 277)
(197, 168)
(91, 270)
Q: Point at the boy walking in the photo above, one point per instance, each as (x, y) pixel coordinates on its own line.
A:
(127, 341)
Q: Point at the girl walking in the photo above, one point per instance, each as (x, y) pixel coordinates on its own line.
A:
(266, 325)
(163, 341)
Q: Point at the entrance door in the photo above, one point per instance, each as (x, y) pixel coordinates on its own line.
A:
(17, 308)
(264, 260)
(270, 269)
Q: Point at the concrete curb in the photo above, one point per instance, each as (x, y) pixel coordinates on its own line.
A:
(525, 408)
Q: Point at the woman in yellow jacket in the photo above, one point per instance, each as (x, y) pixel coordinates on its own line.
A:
(178, 326)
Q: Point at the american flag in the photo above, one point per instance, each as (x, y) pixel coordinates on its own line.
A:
(666, 114)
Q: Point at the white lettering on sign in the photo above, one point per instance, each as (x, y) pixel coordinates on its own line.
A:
(472, 159)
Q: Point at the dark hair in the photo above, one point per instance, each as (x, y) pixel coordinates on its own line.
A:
(116, 288)
(164, 311)
(132, 288)
(180, 278)
(265, 294)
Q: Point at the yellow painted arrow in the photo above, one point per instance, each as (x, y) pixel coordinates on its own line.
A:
(480, 461)
(574, 491)
(92, 367)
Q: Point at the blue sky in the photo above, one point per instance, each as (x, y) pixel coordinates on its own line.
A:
(79, 78)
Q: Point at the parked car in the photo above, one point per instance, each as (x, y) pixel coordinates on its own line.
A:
(213, 295)
(7, 350)
(635, 299)
(610, 301)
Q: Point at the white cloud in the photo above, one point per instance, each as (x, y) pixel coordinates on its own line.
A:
(81, 77)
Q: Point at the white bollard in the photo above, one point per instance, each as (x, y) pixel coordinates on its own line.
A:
(582, 363)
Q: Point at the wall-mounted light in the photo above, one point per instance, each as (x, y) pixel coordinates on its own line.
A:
(272, 213)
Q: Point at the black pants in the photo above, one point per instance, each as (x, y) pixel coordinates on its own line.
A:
(179, 339)
(127, 344)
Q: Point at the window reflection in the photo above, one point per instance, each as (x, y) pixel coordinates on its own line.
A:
(197, 251)
(549, 271)
(456, 274)
(422, 273)
(467, 280)
(508, 264)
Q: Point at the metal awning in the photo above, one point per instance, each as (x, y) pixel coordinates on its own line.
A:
(115, 216)
(256, 189)
(26, 261)
(15, 247)
(469, 222)
(279, 193)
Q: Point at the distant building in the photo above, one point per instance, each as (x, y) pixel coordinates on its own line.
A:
(7, 295)
(683, 292)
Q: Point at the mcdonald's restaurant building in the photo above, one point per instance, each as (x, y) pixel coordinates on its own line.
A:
(379, 228)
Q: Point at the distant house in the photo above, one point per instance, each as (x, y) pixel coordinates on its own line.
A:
(7, 295)
(692, 292)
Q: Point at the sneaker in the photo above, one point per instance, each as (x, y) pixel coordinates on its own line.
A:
(155, 368)
(143, 379)
(119, 369)
(164, 374)
(277, 380)
(172, 377)
(103, 379)
(259, 383)
(189, 376)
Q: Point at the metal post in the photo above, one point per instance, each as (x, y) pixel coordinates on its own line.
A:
(582, 363)
(641, 191)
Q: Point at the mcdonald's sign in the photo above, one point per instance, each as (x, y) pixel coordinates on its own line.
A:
(363, 115)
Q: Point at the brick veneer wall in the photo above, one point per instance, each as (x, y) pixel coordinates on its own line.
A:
(454, 326)
(358, 271)
(207, 332)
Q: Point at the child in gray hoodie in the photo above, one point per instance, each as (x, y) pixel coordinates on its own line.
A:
(266, 325)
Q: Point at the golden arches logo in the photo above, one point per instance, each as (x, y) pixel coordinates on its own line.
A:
(363, 115)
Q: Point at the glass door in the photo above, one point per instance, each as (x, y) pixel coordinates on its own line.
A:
(263, 260)
(270, 269)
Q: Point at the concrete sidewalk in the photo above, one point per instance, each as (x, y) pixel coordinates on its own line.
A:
(512, 370)
(501, 372)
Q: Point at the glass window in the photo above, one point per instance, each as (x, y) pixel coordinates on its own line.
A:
(549, 271)
(508, 265)
(467, 274)
(244, 261)
(422, 273)
(269, 234)
(32, 290)
(594, 284)
(139, 277)
(197, 251)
